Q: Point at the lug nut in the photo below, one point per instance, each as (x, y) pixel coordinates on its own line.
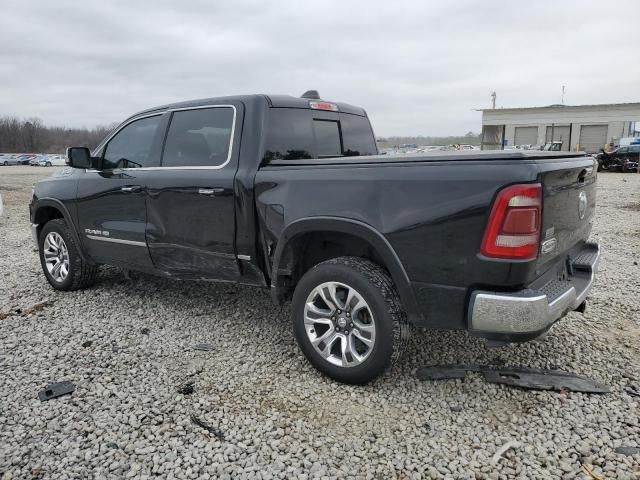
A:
(348, 314)
(351, 325)
(339, 311)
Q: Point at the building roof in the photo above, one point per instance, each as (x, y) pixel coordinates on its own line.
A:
(559, 106)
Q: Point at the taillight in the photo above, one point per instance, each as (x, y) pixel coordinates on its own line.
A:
(513, 229)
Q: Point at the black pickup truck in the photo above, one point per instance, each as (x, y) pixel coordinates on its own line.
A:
(290, 194)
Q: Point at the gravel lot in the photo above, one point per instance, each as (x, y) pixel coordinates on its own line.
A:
(127, 344)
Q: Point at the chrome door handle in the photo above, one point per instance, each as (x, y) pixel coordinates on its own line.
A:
(131, 189)
(210, 191)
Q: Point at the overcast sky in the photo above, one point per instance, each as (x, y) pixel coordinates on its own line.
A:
(417, 67)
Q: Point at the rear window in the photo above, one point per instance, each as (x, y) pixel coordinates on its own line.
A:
(297, 134)
(357, 136)
(327, 138)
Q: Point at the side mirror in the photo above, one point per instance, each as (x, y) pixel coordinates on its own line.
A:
(79, 157)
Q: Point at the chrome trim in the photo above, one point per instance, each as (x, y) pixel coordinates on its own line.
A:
(34, 234)
(498, 313)
(117, 240)
(526, 311)
(171, 110)
(244, 257)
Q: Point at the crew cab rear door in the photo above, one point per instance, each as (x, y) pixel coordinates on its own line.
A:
(190, 198)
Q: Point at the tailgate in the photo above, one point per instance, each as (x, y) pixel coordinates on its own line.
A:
(568, 205)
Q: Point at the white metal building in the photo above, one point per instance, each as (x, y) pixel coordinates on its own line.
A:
(579, 127)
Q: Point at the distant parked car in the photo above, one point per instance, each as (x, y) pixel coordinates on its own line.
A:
(25, 158)
(8, 159)
(623, 159)
(52, 161)
(555, 146)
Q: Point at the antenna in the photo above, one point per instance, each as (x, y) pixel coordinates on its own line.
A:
(313, 94)
(493, 100)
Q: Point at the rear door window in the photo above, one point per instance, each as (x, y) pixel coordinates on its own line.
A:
(199, 138)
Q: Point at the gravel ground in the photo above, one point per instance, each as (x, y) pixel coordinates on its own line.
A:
(127, 344)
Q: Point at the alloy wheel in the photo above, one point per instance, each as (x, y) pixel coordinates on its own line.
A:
(339, 324)
(56, 256)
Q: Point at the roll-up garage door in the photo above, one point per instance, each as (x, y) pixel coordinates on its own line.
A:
(592, 137)
(561, 133)
(526, 136)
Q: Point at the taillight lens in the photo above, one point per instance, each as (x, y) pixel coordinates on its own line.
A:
(513, 229)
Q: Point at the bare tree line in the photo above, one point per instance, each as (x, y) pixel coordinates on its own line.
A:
(470, 139)
(32, 136)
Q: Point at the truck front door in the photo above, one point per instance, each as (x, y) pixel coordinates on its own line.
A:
(190, 198)
(111, 205)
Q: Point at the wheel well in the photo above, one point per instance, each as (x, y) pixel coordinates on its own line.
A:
(305, 250)
(46, 214)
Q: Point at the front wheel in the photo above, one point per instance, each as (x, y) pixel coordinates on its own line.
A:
(348, 319)
(61, 262)
(6, 164)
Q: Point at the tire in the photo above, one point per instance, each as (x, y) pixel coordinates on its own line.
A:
(48, 164)
(56, 244)
(6, 164)
(315, 320)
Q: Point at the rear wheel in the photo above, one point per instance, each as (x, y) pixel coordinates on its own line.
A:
(348, 319)
(61, 262)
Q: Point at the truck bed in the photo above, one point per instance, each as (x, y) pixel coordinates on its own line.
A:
(432, 210)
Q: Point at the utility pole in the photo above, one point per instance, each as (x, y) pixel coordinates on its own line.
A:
(493, 100)
(562, 101)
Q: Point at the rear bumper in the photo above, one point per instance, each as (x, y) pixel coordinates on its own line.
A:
(526, 314)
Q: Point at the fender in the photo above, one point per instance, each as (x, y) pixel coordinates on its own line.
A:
(58, 205)
(359, 229)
